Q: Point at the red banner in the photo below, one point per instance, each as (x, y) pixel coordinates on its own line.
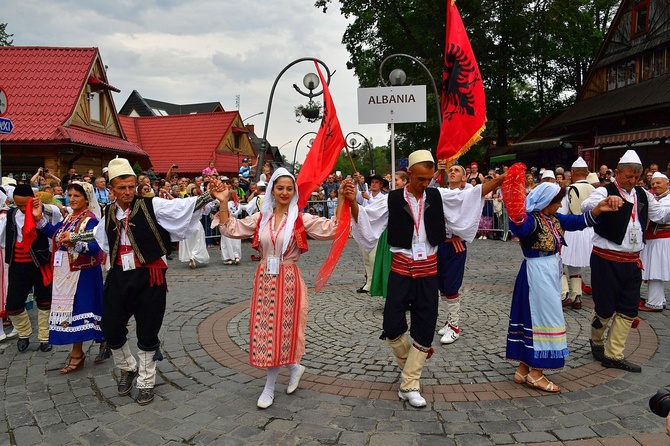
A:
(323, 154)
(463, 100)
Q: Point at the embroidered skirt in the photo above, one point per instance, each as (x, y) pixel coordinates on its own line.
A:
(536, 335)
(278, 317)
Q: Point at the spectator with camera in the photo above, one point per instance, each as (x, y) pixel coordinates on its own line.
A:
(40, 179)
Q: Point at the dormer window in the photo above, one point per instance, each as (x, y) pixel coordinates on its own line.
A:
(94, 105)
(640, 19)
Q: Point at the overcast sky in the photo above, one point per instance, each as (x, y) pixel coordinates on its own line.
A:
(206, 51)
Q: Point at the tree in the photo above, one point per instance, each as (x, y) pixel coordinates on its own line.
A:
(533, 55)
(5, 39)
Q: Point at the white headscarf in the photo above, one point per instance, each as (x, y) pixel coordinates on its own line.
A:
(269, 203)
(93, 205)
(541, 195)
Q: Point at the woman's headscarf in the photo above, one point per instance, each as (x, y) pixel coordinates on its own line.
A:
(269, 203)
(541, 195)
(93, 205)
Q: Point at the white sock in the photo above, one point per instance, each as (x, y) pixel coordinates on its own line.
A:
(273, 373)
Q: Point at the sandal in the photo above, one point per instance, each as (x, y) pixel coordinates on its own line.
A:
(519, 378)
(227, 262)
(103, 354)
(72, 366)
(550, 387)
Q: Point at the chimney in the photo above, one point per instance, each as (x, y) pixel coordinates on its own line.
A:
(250, 127)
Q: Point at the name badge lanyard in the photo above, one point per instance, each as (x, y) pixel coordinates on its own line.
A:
(633, 214)
(417, 222)
(126, 214)
(274, 236)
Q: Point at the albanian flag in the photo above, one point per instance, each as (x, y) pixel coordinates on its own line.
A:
(463, 100)
(323, 154)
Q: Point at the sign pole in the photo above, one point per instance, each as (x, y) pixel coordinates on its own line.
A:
(392, 156)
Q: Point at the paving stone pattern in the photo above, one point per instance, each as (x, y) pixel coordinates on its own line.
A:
(206, 391)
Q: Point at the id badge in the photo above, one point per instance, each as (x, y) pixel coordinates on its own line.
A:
(450, 234)
(128, 261)
(58, 258)
(419, 251)
(273, 265)
(635, 236)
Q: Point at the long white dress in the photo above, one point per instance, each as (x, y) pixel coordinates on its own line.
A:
(655, 258)
(231, 248)
(194, 247)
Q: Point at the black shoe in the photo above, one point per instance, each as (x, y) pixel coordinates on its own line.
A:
(361, 290)
(45, 347)
(145, 397)
(126, 382)
(621, 364)
(598, 351)
(22, 344)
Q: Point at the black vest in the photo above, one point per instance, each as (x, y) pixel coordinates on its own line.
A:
(149, 240)
(613, 225)
(401, 224)
(39, 250)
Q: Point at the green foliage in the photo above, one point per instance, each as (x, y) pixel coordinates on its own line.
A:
(533, 56)
(137, 168)
(311, 112)
(5, 38)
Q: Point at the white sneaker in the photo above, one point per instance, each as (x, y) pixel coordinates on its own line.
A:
(414, 398)
(12, 334)
(450, 336)
(295, 379)
(265, 400)
(443, 330)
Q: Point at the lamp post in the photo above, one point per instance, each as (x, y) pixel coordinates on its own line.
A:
(355, 145)
(255, 114)
(295, 152)
(310, 81)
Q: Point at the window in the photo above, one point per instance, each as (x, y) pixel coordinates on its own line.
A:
(640, 19)
(631, 75)
(647, 71)
(94, 105)
(611, 78)
(237, 141)
(660, 66)
(621, 76)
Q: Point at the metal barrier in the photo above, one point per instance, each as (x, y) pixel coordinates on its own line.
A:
(500, 220)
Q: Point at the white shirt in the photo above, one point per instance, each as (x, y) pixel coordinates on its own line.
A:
(462, 210)
(656, 212)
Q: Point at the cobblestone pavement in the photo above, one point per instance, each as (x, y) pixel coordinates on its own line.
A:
(206, 391)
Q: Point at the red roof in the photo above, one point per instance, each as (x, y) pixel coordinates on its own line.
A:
(190, 141)
(43, 86)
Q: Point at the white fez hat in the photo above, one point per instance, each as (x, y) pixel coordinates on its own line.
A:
(579, 162)
(548, 174)
(420, 156)
(8, 180)
(659, 175)
(592, 178)
(630, 157)
(119, 167)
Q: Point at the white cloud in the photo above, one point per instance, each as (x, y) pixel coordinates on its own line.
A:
(206, 51)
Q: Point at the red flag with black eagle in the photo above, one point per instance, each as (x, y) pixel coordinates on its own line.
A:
(463, 100)
(320, 161)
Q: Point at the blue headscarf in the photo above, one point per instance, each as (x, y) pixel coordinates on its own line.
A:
(540, 197)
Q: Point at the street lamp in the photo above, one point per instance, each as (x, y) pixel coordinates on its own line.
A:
(295, 152)
(308, 81)
(255, 114)
(355, 145)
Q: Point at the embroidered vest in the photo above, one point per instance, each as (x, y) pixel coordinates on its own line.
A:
(613, 225)
(39, 250)
(148, 239)
(401, 224)
(541, 238)
(299, 234)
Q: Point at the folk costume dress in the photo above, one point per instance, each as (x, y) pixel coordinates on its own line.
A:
(655, 257)
(279, 301)
(537, 334)
(76, 303)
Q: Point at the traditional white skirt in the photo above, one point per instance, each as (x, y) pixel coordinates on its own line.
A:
(656, 259)
(231, 249)
(194, 247)
(577, 251)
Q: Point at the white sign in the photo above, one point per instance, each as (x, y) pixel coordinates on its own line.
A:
(3, 102)
(385, 105)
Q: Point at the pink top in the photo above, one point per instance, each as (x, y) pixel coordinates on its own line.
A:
(318, 228)
(209, 171)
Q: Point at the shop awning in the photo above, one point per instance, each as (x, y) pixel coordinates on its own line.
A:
(539, 143)
(638, 135)
(501, 158)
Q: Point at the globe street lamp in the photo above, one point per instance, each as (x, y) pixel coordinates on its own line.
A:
(310, 81)
(355, 145)
(295, 152)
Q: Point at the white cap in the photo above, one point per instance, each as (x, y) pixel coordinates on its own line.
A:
(105, 169)
(261, 184)
(630, 157)
(420, 156)
(119, 167)
(548, 174)
(659, 175)
(224, 178)
(592, 178)
(579, 162)
(7, 180)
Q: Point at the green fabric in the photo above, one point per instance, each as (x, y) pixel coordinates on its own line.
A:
(382, 267)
